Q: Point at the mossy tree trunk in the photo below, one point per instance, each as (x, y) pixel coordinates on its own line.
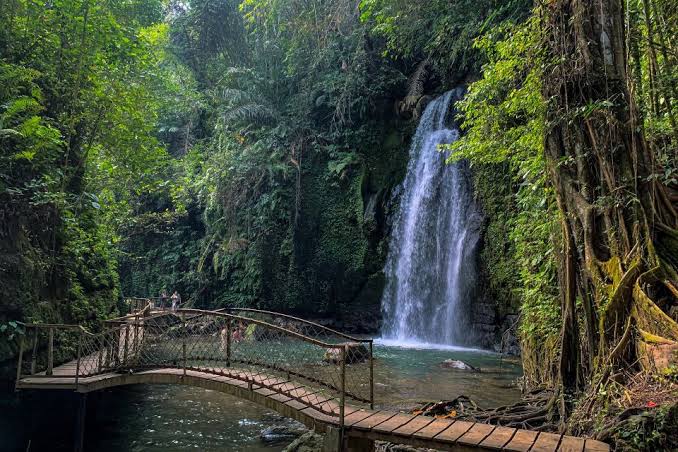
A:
(620, 230)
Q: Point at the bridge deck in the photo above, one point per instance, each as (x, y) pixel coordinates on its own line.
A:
(301, 402)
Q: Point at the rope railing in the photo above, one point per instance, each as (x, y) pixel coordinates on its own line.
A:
(313, 364)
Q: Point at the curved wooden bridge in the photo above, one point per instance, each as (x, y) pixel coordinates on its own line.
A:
(301, 369)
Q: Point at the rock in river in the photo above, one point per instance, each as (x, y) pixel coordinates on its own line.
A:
(458, 365)
(287, 430)
(355, 353)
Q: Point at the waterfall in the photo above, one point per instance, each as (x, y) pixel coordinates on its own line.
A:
(429, 271)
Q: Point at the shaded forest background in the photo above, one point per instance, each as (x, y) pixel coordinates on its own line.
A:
(250, 153)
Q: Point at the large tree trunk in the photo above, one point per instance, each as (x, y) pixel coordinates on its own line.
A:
(620, 230)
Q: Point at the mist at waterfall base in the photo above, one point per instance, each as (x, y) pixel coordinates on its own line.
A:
(430, 269)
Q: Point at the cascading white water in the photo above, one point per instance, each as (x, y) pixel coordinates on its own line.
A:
(430, 272)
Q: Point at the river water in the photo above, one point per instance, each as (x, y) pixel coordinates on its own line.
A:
(178, 418)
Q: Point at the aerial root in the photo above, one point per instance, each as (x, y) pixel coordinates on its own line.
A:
(533, 412)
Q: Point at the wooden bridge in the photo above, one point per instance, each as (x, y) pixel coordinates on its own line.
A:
(301, 369)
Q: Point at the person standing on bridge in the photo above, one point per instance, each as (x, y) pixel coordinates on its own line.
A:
(176, 300)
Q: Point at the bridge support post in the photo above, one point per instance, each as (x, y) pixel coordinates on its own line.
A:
(79, 445)
(342, 400)
(333, 442)
(20, 363)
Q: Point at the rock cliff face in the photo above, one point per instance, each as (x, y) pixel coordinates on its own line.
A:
(493, 329)
(496, 308)
(331, 263)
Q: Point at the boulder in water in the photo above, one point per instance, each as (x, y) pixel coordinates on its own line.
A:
(355, 353)
(285, 431)
(458, 365)
(308, 442)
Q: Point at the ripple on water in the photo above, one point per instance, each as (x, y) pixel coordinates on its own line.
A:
(174, 418)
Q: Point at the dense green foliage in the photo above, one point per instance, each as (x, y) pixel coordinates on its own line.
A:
(77, 146)
(439, 31)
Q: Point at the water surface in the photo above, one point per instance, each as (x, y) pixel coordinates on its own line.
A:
(409, 374)
(177, 418)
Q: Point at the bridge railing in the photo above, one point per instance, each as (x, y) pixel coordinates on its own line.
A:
(46, 346)
(359, 350)
(137, 304)
(70, 351)
(307, 327)
(319, 367)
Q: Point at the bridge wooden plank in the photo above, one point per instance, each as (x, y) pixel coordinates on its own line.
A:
(229, 380)
(330, 406)
(348, 409)
(264, 391)
(521, 441)
(278, 384)
(394, 423)
(571, 444)
(316, 405)
(270, 380)
(435, 427)
(280, 397)
(416, 424)
(322, 417)
(592, 445)
(357, 416)
(290, 388)
(454, 431)
(237, 374)
(476, 434)
(299, 392)
(546, 442)
(316, 399)
(498, 438)
(295, 404)
(372, 421)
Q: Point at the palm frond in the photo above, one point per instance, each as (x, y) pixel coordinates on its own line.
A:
(254, 113)
(236, 96)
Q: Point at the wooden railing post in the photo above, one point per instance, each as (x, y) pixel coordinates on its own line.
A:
(19, 363)
(101, 351)
(126, 346)
(113, 357)
(183, 343)
(77, 363)
(342, 400)
(50, 352)
(135, 344)
(228, 342)
(34, 356)
(371, 376)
